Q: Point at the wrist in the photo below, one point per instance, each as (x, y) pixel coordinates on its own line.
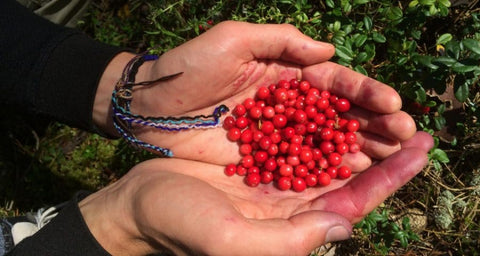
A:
(113, 227)
(102, 108)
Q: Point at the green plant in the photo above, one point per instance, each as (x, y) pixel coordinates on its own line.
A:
(384, 232)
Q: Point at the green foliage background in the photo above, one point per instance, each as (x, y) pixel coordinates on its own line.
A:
(428, 50)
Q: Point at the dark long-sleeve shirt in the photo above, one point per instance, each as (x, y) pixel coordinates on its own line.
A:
(51, 71)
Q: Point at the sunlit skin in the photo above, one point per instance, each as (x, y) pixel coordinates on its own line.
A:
(188, 205)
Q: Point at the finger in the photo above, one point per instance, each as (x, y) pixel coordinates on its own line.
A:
(274, 41)
(396, 126)
(361, 90)
(422, 141)
(375, 146)
(370, 188)
(299, 235)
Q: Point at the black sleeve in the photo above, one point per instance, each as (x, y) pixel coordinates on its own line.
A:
(47, 70)
(66, 234)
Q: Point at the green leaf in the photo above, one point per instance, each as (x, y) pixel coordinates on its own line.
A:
(445, 3)
(330, 3)
(359, 2)
(413, 3)
(360, 70)
(453, 49)
(394, 13)
(360, 40)
(420, 94)
(361, 57)
(427, 2)
(344, 53)
(439, 122)
(461, 88)
(445, 38)
(440, 155)
(472, 44)
(426, 60)
(447, 61)
(465, 66)
(379, 38)
(368, 23)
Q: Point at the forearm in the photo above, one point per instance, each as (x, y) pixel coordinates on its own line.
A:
(48, 70)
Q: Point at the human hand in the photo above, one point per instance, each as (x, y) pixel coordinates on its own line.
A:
(190, 207)
(232, 60)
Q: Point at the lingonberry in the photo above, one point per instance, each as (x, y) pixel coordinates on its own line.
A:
(334, 159)
(253, 179)
(263, 93)
(266, 177)
(311, 180)
(342, 105)
(353, 125)
(268, 112)
(234, 134)
(284, 183)
(291, 134)
(298, 184)
(229, 122)
(332, 171)
(242, 122)
(344, 172)
(248, 103)
(245, 149)
(324, 179)
(230, 169)
(239, 110)
(286, 170)
(301, 170)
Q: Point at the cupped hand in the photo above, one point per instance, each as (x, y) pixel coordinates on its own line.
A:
(232, 60)
(190, 207)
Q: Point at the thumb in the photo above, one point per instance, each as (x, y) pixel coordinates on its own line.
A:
(298, 235)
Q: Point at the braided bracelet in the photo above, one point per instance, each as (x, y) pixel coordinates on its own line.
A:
(123, 118)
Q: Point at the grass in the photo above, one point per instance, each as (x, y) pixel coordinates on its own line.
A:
(409, 48)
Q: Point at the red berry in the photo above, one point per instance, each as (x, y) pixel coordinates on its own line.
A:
(266, 177)
(245, 149)
(354, 148)
(253, 169)
(234, 134)
(334, 159)
(344, 172)
(338, 137)
(283, 84)
(284, 183)
(342, 148)
(241, 171)
(322, 104)
(239, 110)
(270, 164)
(267, 127)
(326, 133)
(248, 161)
(294, 149)
(268, 112)
(325, 94)
(246, 136)
(261, 156)
(280, 95)
(286, 170)
(332, 171)
(350, 138)
(273, 150)
(230, 169)
(324, 179)
(248, 103)
(253, 179)
(342, 105)
(301, 170)
(327, 147)
(263, 93)
(353, 125)
(241, 122)
(229, 122)
(304, 86)
(298, 184)
(293, 160)
(311, 180)
(306, 156)
(255, 112)
(279, 121)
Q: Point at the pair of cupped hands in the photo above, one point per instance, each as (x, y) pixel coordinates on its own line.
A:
(187, 205)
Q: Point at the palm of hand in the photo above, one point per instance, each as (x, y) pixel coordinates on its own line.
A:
(245, 218)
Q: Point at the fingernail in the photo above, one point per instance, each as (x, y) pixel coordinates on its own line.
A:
(337, 233)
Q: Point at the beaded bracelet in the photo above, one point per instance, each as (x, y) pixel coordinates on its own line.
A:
(123, 118)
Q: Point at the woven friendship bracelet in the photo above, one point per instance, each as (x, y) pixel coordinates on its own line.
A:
(123, 118)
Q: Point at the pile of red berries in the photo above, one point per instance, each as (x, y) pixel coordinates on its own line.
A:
(292, 134)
